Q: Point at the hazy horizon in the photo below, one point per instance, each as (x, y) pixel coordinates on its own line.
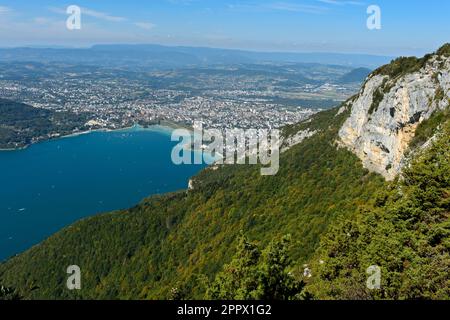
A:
(274, 51)
(303, 26)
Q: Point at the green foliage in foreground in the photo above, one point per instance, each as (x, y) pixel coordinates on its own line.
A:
(255, 275)
(406, 233)
(8, 294)
(178, 240)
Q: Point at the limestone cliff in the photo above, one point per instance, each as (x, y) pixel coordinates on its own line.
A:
(394, 100)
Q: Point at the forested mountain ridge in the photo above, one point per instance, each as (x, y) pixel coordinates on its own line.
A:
(356, 75)
(341, 218)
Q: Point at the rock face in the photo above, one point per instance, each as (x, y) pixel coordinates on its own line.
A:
(388, 109)
(298, 138)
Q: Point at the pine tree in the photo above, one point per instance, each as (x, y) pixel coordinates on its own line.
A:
(275, 281)
(255, 275)
(238, 279)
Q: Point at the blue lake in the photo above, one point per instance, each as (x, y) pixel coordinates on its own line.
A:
(52, 184)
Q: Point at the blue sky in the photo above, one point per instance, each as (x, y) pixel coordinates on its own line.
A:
(408, 26)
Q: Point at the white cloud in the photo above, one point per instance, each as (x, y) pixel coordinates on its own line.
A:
(294, 7)
(5, 10)
(92, 13)
(340, 2)
(290, 6)
(102, 15)
(280, 6)
(145, 25)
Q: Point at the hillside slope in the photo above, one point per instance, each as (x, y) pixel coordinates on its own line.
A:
(21, 124)
(406, 234)
(167, 241)
(357, 75)
(182, 240)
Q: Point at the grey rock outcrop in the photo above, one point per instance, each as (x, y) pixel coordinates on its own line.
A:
(379, 132)
(298, 138)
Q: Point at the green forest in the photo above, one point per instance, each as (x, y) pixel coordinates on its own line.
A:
(21, 123)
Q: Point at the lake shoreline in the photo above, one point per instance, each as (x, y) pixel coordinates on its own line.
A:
(168, 126)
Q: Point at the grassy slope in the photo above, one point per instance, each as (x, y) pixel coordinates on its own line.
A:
(173, 240)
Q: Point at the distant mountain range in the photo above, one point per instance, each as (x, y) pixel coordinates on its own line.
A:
(356, 75)
(169, 57)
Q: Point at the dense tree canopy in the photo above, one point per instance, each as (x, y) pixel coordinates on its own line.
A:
(21, 123)
(256, 275)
